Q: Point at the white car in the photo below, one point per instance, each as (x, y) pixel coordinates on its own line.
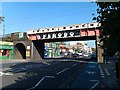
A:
(86, 55)
(80, 54)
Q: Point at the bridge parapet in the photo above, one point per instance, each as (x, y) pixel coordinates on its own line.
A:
(76, 30)
(64, 28)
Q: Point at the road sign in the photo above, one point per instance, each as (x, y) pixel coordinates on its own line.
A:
(20, 35)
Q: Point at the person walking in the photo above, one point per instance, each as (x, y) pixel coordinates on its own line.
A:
(8, 53)
(105, 58)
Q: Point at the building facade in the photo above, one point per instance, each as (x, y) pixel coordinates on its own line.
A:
(6, 50)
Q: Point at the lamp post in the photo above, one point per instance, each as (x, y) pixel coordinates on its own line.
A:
(2, 25)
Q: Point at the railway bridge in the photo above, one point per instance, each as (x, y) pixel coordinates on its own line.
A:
(77, 32)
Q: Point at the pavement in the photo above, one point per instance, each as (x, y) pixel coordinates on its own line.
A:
(23, 61)
(109, 78)
(13, 60)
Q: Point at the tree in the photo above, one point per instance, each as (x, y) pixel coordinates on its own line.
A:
(93, 49)
(109, 17)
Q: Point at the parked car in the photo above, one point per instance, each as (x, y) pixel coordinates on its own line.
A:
(75, 55)
(80, 54)
(86, 55)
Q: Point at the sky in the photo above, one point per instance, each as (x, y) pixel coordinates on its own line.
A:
(24, 16)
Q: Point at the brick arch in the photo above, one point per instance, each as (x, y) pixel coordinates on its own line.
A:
(20, 51)
(22, 42)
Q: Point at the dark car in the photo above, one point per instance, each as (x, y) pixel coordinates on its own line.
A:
(75, 55)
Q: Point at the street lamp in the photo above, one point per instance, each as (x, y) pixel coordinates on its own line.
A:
(3, 27)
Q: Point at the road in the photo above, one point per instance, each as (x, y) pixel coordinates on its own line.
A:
(44, 76)
(53, 74)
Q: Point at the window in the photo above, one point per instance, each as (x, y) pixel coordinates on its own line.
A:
(37, 30)
(91, 24)
(83, 25)
(77, 26)
(64, 27)
(70, 26)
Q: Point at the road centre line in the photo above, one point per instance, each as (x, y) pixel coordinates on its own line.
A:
(62, 71)
(50, 76)
(97, 82)
(74, 64)
(101, 71)
(36, 84)
(40, 82)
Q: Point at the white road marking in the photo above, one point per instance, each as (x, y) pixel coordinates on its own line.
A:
(94, 80)
(50, 76)
(92, 66)
(39, 82)
(107, 72)
(101, 72)
(90, 72)
(23, 68)
(1, 73)
(74, 64)
(36, 85)
(97, 82)
(103, 76)
(62, 71)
